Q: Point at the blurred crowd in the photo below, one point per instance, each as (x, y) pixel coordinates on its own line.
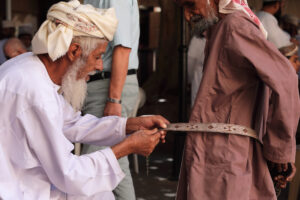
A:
(14, 39)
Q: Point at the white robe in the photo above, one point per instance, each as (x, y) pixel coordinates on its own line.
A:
(276, 35)
(37, 129)
(195, 65)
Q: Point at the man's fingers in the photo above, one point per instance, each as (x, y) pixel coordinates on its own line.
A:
(279, 178)
(285, 167)
(157, 136)
(160, 121)
(150, 132)
(164, 120)
(283, 185)
(293, 173)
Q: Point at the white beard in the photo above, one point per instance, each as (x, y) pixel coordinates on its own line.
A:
(74, 91)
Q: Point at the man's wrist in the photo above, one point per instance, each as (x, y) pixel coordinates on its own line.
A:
(113, 100)
(124, 148)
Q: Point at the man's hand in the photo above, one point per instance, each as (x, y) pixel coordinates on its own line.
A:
(146, 123)
(144, 141)
(112, 109)
(280, 173)
(141, 142)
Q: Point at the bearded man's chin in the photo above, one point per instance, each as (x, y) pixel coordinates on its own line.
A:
(75, 93)
(73, 90)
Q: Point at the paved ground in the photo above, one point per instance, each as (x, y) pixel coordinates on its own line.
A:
(157, 185)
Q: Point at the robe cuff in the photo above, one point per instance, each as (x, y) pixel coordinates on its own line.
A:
(112, 160)
(273, 157)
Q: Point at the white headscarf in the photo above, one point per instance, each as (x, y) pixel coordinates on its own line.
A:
(230, 6)
(68, 19)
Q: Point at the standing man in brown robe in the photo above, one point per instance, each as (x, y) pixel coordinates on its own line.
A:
(246, 81)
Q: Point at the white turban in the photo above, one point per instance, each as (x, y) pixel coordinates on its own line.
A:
(230, 6)
(68, 19)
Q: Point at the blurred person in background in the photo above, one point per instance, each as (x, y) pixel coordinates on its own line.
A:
(25, 35)
(289, 23)
(10, 48)
(291, 53)
(276, 35)
(195, 64)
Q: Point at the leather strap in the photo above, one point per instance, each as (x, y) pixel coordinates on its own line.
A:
(213, 128)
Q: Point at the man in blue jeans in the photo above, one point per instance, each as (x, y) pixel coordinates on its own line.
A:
(114, 91)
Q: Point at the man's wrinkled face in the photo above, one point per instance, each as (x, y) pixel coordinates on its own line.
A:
(74, 86)
(93, 62)
(200, 14)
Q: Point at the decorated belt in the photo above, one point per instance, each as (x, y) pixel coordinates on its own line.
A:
(213, 128)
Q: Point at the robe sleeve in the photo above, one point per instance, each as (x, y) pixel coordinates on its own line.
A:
(88, 129)
(275, 71)
(77, 175)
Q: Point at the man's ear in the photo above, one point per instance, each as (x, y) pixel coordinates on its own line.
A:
(74, 52)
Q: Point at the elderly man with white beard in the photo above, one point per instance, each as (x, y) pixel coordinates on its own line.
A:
(246, 82)
(39, 125)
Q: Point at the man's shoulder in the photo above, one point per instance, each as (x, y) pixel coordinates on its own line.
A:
(23, 75)
(19, 66)
(238, 21)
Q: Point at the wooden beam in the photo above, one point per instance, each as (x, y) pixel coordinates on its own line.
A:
(149, 2)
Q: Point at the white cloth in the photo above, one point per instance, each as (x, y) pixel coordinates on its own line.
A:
(68, 19)
(195, 65)
(37, 128)
(230, 6)
(8, 179)
(276, 35)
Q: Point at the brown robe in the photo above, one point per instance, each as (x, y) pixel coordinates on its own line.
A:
(241, 70)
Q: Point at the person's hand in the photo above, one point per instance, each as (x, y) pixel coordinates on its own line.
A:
(144, 141)
(280, 173)
(146, 123)
(112, 109)
(140, 142)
